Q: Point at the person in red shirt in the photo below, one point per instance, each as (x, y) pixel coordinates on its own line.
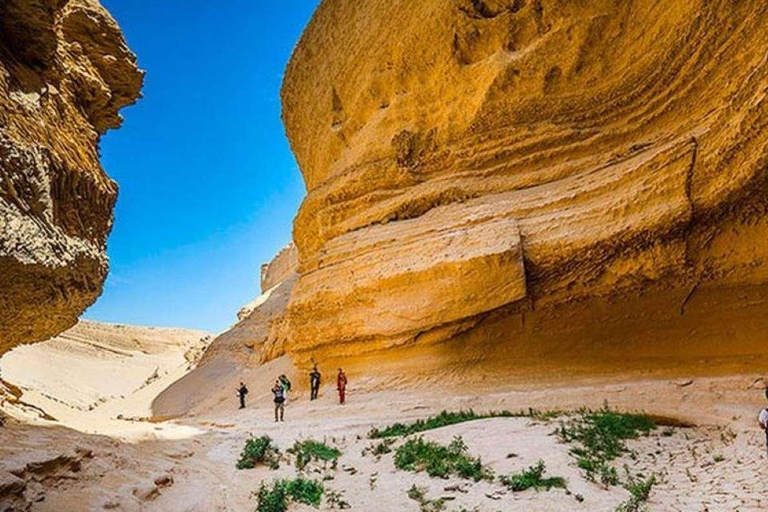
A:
(341, 385)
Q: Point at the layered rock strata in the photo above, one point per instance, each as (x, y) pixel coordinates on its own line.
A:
(470, 161)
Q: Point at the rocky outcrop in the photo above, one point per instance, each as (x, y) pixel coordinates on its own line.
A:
(280, 268)
(469, 163)
(65, 72)
(277, 271)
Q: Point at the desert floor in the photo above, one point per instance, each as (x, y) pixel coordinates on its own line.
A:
(718, 464)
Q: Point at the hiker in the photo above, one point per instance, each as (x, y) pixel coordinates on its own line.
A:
(279, 391)
(242, 391)
(314, 382)
(763, 420)
(286, 386)
(341, 385)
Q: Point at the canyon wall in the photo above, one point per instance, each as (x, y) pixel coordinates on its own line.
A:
(65, 72)
(471, 161)
(517, 189)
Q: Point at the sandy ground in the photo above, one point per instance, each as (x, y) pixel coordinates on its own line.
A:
(95, 374)
(83, 436)
(718, 465)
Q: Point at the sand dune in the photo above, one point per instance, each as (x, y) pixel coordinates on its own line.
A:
(96, 377)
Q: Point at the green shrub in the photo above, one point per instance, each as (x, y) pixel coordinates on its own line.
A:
(639, 492)
(608, 475)
(440, 461)
(419, 495)
(383, 447)
(416, 493)
(378, 449)
(259, 450)
(271, 499)
(446, 418)
(308, 450)
(600, 436)
(532, 478)
(275, 498)
(302, 490)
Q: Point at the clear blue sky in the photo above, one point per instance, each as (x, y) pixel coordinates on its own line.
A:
(208, 185)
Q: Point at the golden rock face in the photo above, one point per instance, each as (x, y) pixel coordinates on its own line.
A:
(468, 161)
(65, 72)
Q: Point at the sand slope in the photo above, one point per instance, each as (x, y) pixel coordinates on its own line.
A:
(95, 375)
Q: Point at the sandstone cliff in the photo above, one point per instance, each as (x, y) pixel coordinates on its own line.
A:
(499, 189)
(65, 72)
(596, 166)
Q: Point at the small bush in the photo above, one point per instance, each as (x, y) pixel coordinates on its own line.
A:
(608, 475)
(383, 447)
(271, 499)
(419, 495)
(302, 490)
(600, 436)
(275, 498)
(446, 418)
(440, 461)
(308, 450)
(639, 492)
(259, 450)
(532, 478)
(416, 493)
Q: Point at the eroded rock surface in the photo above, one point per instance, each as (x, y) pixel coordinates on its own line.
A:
(468, 162)
(280, 268)
(65, 72)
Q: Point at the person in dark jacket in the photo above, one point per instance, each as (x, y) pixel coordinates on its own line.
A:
(314, 383)
(242, 391)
